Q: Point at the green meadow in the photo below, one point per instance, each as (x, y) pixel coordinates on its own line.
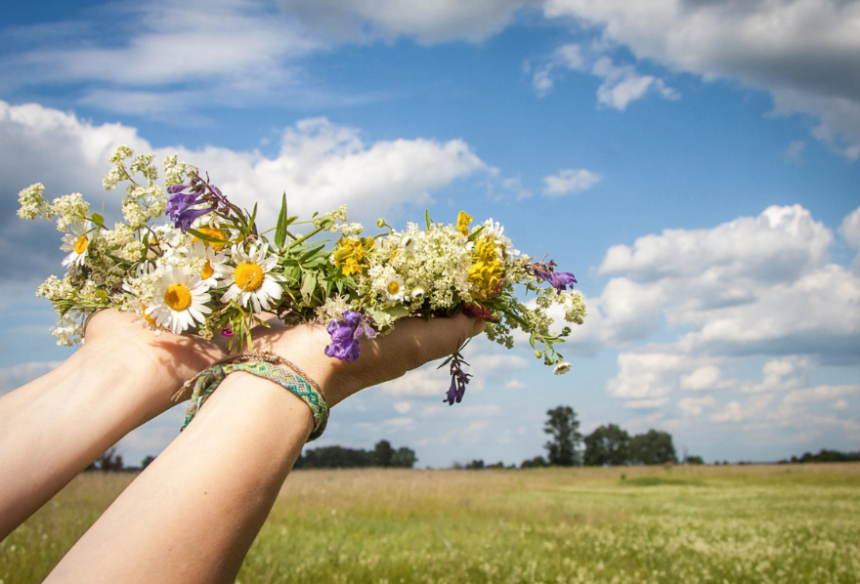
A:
(779, 523)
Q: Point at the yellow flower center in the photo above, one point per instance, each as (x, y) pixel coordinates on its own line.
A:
(178, 297)
(207, 271)
(393, 287)
(248, 276)
(147, 317)
(81, 244)
(212, 232)
(463, 220)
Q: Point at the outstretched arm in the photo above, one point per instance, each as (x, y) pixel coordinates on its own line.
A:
(54, 427)
(192, 515)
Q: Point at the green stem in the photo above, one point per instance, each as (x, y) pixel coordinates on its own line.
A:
(304, 237)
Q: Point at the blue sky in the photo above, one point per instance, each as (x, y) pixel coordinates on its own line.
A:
(694, 164)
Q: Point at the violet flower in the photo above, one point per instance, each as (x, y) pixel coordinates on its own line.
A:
(558, 280)
(183, 204)
(459, 379)
(345, 336)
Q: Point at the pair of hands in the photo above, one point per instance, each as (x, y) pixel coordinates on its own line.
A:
(173, 359)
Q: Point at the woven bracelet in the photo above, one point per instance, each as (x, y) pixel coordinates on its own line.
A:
(267, 366)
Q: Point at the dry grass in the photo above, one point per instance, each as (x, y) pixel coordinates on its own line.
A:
(796, 523)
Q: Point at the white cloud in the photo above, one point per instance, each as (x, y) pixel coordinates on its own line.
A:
(620, 85)
(427, 22)
(391, 426)
(779, 244)
(803, 51)
(840, 404)
(161, 56)
(703, 378)
(645, 375)
(623, 84)
(570, 180)
(695, 406)
(18, 375)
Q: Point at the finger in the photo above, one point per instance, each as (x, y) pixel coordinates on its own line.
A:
(415, 341)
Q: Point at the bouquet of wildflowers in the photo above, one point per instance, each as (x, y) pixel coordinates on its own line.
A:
(210, 271)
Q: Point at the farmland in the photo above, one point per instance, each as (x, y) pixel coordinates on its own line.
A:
(779, 523)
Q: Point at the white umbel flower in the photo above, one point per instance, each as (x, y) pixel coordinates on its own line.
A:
(77, 242)
(180, 301)
(252, 279)
(562, 368)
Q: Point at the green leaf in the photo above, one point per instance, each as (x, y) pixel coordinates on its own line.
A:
(281, 227)
(208, 238)
(253, 220)
(98, 220)
(532, 341)
(309, 284)
(477, 232)
(427, 217)
(398, 311)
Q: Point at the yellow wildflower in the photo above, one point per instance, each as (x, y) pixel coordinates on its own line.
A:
(350, 254)
(486, 271)
(463, 220)
(215, 232)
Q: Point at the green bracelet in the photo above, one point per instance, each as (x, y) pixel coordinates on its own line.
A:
(267, 366)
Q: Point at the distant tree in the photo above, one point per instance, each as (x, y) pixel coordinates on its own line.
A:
(404, 458)
(335, 457)
(563, 428)
(695, 460)
(475, 464)
(383, 454)
(536, 462)
(110, 460)
(653, 447)
(146, 461)
(499, 464)
(607, 445)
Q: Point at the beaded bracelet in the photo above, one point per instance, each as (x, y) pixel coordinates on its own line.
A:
(267, 366)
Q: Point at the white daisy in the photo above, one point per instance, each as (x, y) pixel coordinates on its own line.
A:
(180, 301)
(208, 259)
(562, 368)
(394, 288)
(417, 293)
(253, 281)
(77, 242)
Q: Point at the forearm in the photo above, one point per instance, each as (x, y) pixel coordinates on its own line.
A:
(54, 427)
(195, 511)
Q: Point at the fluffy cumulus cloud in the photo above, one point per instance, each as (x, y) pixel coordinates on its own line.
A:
(802, 51)
(753, 290)
(320, 165)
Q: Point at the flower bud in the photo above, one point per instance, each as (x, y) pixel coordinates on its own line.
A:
(538, 354)
(380, 222)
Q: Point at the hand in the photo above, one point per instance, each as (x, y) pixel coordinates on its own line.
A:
(412, 343)
(166, 360)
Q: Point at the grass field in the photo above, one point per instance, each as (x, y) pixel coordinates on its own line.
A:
(797, 523)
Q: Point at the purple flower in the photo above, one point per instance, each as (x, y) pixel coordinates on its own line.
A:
(183, 204)
(558, 280)
(459, 380)
(227, 332)
(182, 211)
(345, 336)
